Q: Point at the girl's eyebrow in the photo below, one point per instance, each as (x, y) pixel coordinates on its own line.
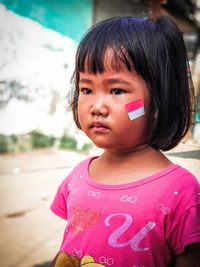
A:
(109, 81)
(116, 80)
(83, 80)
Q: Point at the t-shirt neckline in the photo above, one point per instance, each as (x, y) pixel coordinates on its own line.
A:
(139, 182)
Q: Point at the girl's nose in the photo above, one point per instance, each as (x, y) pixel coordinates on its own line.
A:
(99, 107)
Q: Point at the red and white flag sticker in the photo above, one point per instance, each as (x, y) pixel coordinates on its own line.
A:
(135, 109)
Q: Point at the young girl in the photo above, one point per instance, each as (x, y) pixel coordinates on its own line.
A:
(131, 206)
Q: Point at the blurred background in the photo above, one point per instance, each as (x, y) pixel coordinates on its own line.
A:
(39, 142)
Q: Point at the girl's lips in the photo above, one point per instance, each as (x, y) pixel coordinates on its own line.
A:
(98, 126)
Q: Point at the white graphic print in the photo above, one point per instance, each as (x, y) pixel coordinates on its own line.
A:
(136, 239)
(165, 210)
(94, 194)
(125, 198)
(72, 190)
(77, 253)
(103, 260)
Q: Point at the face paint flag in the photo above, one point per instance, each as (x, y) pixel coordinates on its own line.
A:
(135, 109)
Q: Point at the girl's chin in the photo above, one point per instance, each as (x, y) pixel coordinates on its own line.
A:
(107, 145)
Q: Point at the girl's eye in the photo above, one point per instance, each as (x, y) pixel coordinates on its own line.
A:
(86, 91)
(117, 91)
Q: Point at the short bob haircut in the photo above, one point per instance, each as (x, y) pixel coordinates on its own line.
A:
(156, 50)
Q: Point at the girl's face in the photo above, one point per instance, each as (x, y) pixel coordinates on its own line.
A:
(101, 108)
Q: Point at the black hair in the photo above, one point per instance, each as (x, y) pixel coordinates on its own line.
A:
(156, 50)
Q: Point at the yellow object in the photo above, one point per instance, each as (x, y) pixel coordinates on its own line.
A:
(65, 260)
(88, 261)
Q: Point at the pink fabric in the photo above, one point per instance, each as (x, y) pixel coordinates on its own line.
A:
(139, 224)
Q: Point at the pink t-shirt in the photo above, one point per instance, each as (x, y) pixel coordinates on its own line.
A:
(138, 224)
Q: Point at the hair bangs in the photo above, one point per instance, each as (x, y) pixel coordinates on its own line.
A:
(98, 53)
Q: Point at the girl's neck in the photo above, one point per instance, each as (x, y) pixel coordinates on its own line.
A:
(115, 167)
(132, 153)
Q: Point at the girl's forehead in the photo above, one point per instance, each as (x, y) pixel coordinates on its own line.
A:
(112, 60)
(122, 75)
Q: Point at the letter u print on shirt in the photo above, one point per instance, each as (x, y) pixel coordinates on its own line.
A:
(135, 240)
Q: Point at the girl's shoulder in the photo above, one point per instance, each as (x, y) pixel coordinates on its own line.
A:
(177, 177)
(81, 169)
(184, 176)
(83, 165)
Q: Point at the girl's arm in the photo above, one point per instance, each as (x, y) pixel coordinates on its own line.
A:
(190, 257)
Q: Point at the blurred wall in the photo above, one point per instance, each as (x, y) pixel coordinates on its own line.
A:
(104, 9)
(71, 17)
